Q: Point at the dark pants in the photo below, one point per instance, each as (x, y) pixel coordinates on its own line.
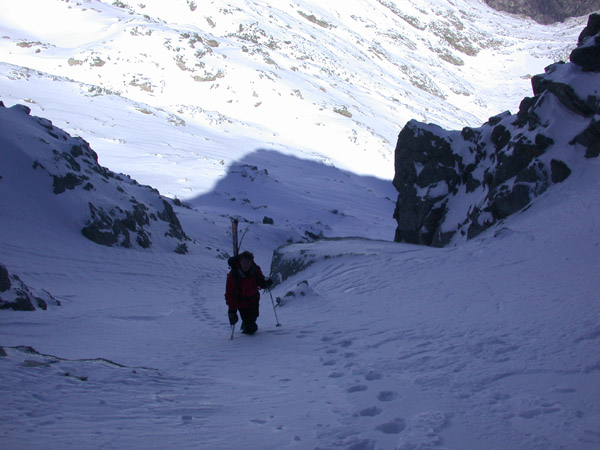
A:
(249, 316)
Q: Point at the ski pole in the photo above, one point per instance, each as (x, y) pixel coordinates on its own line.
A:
(274, 310)
(232, 330)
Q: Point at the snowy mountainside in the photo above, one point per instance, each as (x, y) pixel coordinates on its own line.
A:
(489, 344)
(53, 188)
(455, 184)
(54, 180)
(331, 82)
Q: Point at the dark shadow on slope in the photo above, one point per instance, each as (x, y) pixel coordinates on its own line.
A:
(317, 199)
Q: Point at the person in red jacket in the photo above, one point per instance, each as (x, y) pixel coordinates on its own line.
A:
(241, 291)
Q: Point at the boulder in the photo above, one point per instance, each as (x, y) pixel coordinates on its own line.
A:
(590, 139)
(4, 279)
(17, 296)
(587, 53)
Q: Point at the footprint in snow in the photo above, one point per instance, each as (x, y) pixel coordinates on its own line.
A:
(386, 396)
(372, 376)
(363, 444)
(564, 390)
(370, 412)
(356, 388)
(396, 426)
(543, 407)
(330, 338)
(258, 421)
(303, 334)
(345, 343)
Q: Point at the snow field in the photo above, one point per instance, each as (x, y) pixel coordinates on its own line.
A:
(490, 344)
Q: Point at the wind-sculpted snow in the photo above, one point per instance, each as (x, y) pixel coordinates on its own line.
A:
(479, 331)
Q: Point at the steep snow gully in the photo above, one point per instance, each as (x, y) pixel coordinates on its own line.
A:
(492, 343)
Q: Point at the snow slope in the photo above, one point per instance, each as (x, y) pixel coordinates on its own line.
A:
(213, 82)
(491, 344)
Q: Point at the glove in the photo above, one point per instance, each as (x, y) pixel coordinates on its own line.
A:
(268, 283)
(233, 318)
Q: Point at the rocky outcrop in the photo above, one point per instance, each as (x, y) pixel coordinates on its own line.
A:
(459, 183)
(111, 209)
(16, 295)
(547, 11)
(587, 53)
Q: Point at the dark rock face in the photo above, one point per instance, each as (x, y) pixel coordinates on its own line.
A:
(547, 11)
(459, 183)
(587, 53)
(4, 279)
(16, 295)
(590, 139)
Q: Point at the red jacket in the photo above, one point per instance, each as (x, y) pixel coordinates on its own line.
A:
(241, 291)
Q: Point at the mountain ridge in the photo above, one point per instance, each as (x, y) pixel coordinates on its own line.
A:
(547, 11)
(331, 84)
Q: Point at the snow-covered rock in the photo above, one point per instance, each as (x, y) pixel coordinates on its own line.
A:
(16, 295)
(587, 53)
(43, 169)
(459, 183)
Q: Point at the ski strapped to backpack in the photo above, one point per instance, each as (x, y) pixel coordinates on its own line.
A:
(234, 235)
(237, 243)
(233, 259)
